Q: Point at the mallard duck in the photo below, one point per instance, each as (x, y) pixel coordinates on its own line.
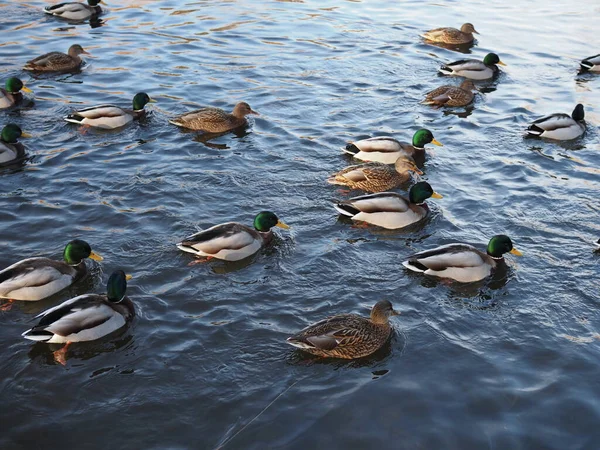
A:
(560, 127)
(37, 278)
(376, 177)
(388, 209)
(233, 241)
(11, 94)
(74, 10)
(11, 150)
(591, 64)
(462, 262)
(57, 61)
(214, 120)
(387, 150)
(109, 116)
(347, 336)
(472, 68)
(449, 95)
(450, 35)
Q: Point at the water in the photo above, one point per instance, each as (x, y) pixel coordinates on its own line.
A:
(511, 364)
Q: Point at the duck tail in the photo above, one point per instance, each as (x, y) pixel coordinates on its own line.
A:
(534, 130)
(445, 70)
(74, 118)
(176, 122)
(346, 209)
(334, 180)
(586, 65)
(414, 265)
(298, 343)
(37, 334)
(351, 149)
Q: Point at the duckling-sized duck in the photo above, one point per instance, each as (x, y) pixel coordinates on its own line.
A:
(449, 95)
(11, 150)
(85, 318)
(109, 117)
(451, 35)
(560, 127)
(75, 10)
(388, 209)
(57, 61)
(37, 278)
(387, 150)
(11, 94)
(591, 64)
(215, 120)
(233, 241)
(474, 69)
(347, 336)
(462, 262)
(376, 177)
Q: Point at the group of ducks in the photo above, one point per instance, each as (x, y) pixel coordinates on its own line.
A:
(91, 316)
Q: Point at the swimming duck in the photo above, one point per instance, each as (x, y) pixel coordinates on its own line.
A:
(388, 209)
(57, 61)
(560, 127)
(233, 241)
(11, 94)
(214, 120)
(109, 116)
(347, 336)
(376, 177)
(74, 10)
(450, 35)
(449, 95)
(462, 262)
(11, 150)
(472, 68)
(37, 278)
(591, 64)
(386, 150)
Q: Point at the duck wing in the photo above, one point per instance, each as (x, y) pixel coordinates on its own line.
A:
(330, 333)
(226, 236)
(50, 59)
(25, 276)
(551, 123)
(374, 203)
(445, 256)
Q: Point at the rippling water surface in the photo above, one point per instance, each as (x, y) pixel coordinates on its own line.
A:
(512, 364)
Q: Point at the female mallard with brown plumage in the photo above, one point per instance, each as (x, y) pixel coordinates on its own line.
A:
(57, 61)
(11, 150)
(376, 177)
(347, 336)
(11, 94)
(449, 35)
(214, 120)
(449, 95)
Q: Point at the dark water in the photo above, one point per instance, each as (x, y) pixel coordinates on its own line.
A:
(512, 364)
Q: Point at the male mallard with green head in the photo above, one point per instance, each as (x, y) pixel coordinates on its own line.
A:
(560, 127)
(449, 95)
(11, 150)
(386, 150)
(449, 35)
(214, 120)
(462, 262)
(57, 61)
(75, 10)
(11, 94)
(347, 336)
(109, 117)
(473, 68)
(233, 241)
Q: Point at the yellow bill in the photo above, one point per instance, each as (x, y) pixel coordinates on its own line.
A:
(128, 276)
(280, 224)
(25, 135)
(516, 252)
(438, 143)
(436, 195)
(26, 89)
(96, 256)
(152, 101)
(500, 63)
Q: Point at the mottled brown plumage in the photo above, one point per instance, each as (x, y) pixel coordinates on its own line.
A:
(376, 177)
(215, 120)
(449, 95)
(57, 61)
(450, 35)
(347, 336)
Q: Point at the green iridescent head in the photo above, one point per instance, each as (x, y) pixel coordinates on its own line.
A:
(265, 220)
(423, 137)
(499, 245)
(140, 100)
(11, 133)
(578, 113)
(77, 250)
(14, 85)
(492, 59)
(116, 286)
(420, 192)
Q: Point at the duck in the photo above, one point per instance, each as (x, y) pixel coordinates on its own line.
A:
(75, 10)
(57, 61)
(388, 209)
(462, 262)
(11, 94)
(597, 243)
(474, 69)
(214, 120)
(560, 127)
(347, 336)
(449, 35)
(109, 117)
(35, 279)
(449, 95)
(11, 150)
(233, 241)
(387, 150)
(591, 64)
(376, 177)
